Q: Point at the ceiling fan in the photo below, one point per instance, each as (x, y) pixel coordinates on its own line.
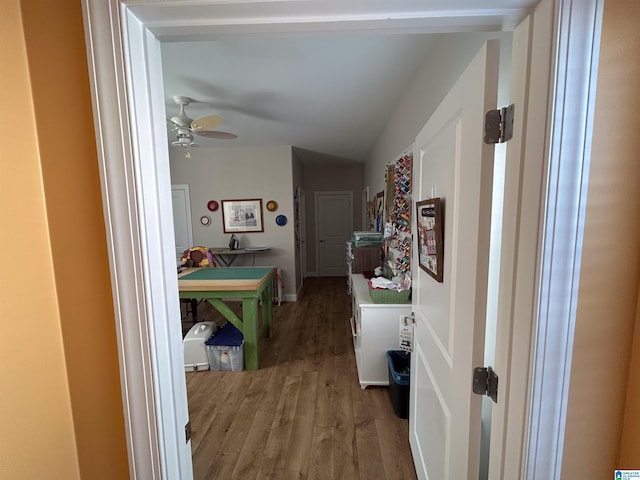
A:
(186, 127)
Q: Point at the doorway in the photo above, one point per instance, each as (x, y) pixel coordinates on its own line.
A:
(334, 225)
(152, 390)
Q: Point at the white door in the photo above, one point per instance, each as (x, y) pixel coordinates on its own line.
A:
(452, 162)
(182, 227)
(334, 226)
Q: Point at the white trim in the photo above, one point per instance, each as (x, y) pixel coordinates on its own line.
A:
(152, 174)
(578, 45)
(187, 194)
(113, 138)
(134, 170)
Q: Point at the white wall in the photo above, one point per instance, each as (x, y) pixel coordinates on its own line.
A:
(443, 64)
(242, 173)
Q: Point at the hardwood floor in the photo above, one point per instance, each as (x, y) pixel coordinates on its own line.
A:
(302, 415)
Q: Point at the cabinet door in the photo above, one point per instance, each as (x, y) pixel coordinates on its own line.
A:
(379, 333)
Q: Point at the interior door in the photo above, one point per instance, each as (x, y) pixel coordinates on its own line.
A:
(334, 226)
(182, 227)
(451, 162)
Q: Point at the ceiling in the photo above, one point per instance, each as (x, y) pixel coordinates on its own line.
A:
(325, 94)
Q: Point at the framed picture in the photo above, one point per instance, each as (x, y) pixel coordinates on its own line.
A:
(430, 237)
(244, 216)
(379, 211)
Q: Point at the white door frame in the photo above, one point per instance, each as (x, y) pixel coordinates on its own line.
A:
(124, 57)
(185, 189)
(302, 199)
(565, 179)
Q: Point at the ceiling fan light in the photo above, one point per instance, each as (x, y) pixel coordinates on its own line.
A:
(181, 120)
(202, 126)
(184, 139)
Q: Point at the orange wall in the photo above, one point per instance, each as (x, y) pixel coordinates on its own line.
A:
(630, 445)
(610, 275)
(60, 394)
(35, 404)
(60, 380)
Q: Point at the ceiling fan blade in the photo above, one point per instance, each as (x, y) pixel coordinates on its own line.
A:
(217, 134)
(206, 123)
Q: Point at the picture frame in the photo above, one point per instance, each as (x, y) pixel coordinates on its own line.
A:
(242, 216)
(379, 211)
(430, 237)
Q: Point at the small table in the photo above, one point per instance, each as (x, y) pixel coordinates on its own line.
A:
(249, 284)
(226, 256)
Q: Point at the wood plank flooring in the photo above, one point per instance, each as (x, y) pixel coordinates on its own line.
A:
(302, 415)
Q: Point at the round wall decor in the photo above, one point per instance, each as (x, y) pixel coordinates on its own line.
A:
(281, 220)
(205, 220)
(212, 205)
(272, 205)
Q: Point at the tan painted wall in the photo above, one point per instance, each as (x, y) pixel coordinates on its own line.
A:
(60, 389)
(610, 276)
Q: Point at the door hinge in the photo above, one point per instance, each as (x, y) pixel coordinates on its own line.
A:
(187, 432)
(485, 382)
(498, 125)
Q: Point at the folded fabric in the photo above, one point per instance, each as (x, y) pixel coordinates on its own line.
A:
(382, 282)
(197, 257)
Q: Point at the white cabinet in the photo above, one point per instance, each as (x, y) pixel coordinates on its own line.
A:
(375, 328)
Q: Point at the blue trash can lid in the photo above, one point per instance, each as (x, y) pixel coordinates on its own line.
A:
(228, 335)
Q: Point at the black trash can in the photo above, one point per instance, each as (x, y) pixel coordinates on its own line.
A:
(399, 368)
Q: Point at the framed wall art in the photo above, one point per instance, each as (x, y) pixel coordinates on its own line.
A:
(430, 237)
(244, 216)
(380, 211)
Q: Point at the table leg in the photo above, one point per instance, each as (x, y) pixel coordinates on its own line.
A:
(250, 330)
(194, 309)
(267, 310)
(223, 260)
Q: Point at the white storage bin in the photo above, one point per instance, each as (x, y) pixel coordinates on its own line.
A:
(195, 352)
(226, 357)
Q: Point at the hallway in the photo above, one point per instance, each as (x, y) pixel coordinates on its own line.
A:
(302, 415)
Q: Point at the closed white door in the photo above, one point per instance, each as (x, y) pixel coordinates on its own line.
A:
(334, 226)
(452, 162)
(182, 227)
